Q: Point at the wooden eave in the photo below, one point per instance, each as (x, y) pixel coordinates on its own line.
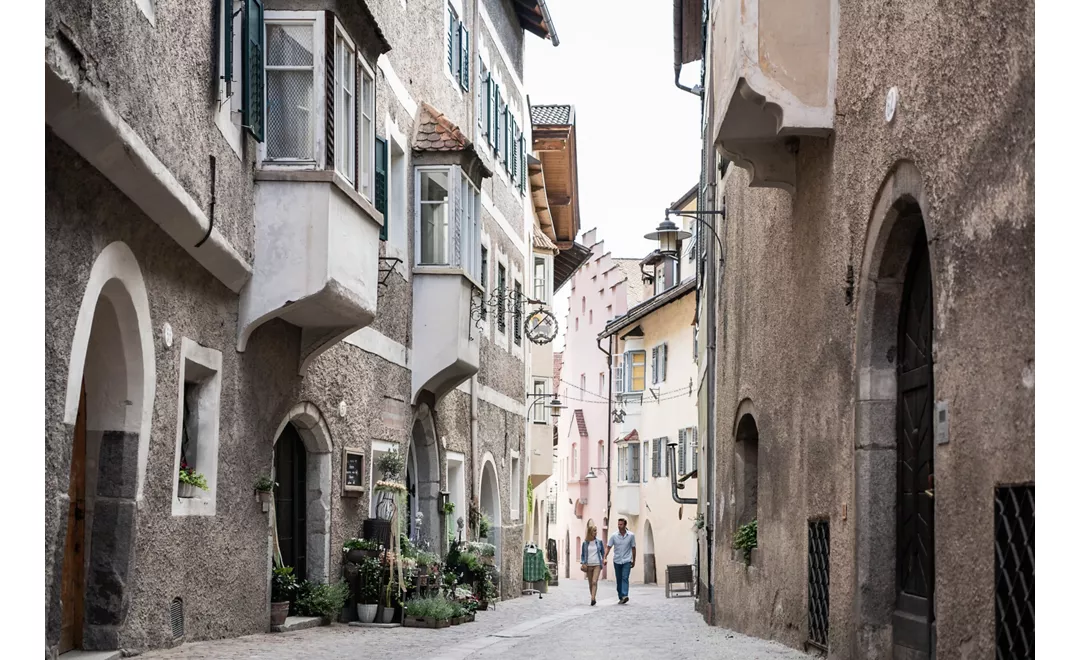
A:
(556, 148)
(538, 190)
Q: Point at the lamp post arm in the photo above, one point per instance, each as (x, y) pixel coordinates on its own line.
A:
(695, 215)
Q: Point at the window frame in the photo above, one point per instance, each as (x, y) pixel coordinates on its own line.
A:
(207, 362)
(540, 408)
(229, 114)
(341, 117)
(317, 21)
(628, 371)
(365, 138)
(540, 278)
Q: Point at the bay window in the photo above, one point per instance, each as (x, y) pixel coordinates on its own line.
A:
(633, 371)
(448, 222)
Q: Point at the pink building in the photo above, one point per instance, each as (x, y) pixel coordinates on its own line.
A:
(602, 289)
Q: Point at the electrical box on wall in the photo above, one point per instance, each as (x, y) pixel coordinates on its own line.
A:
(941, 422)
(352, 472)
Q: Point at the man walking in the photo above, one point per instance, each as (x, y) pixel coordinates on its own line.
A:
(624, 558)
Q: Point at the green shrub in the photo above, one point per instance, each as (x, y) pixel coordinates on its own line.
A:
(317, 599)
(434, 607)
(746, 539)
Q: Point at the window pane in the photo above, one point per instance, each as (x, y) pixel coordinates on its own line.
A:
(290, 45)
(367, 133)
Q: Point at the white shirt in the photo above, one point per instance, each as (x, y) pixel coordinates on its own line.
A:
(592, 555)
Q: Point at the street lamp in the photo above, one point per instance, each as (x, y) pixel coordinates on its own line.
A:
(555, 407)
(669, 235)
(592, 472)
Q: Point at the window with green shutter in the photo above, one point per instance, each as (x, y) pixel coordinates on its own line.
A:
(225, 7)
(522, 183)
(463, 72)
(381, 198)
(512, 150)
(253, 54)
(496, 106)
(451, 30)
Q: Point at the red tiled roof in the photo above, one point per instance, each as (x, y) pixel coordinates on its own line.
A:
(582, 430)
(632, 436)
(434, 132)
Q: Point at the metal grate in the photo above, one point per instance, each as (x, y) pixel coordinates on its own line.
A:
(290, 97)
(818, 577)
(176, 617)
(1014, 574)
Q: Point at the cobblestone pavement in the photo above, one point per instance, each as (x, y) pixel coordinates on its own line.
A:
(561, 625)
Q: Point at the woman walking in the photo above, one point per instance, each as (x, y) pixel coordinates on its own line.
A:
(592, 558)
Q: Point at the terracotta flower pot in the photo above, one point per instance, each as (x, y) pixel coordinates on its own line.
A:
(278, 613)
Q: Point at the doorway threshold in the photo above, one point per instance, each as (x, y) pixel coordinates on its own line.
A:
(91, 655)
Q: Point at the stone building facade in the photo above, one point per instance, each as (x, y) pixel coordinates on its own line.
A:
(872, 322)
(268, 225)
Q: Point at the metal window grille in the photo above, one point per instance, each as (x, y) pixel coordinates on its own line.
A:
(290, 94)
(1014, 574)
(818, 576)
(176, 617)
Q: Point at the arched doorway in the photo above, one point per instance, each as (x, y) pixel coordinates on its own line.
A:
(302, 498)
(649, 554)
(491, 505)
(894, 451)
(110, 391)
(423, 478)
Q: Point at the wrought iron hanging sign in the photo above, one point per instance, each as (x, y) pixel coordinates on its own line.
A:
(541, 327)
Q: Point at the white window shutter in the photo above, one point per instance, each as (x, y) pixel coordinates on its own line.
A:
(619, 379)
(696, 449)
(682, 451)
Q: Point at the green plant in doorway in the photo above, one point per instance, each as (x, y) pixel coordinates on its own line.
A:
(528, 499)
(746, 539)
(699, 521)
(282, 585)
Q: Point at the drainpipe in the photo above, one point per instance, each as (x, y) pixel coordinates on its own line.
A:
(696, 90)
(474, 433)
(607, 444)
(671, 460)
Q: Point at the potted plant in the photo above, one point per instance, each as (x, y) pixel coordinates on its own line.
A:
(264, 488)
(357, 549)
(425, 563)
(367, 597)
(282, 588)
(190, 480)
(484, 527)
(388, 603)
(433, 612)
(457, 613)
(388, 491)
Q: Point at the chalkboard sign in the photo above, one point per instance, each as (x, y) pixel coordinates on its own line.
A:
(352, 468)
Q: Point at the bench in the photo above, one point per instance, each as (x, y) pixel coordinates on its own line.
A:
(680, 574)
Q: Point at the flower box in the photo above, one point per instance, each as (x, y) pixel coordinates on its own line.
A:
(187, 490)
(457, 620)
(423, 622)
(470, 617)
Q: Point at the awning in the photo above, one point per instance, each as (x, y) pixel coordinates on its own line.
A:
(568, 261)
(632, 436)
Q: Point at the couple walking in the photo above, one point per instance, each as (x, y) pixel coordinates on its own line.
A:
(593, 558)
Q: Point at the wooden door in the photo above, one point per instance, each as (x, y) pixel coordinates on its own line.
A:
(914, 614)
(290, 500)
(71, 589)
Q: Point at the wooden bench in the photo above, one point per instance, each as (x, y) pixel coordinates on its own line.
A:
(681, 574)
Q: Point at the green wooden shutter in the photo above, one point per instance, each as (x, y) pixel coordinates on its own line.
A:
(489, 107)
(450, 30)
(463, 78)
(225, 7)
(498, 123)
(511, 149)
(381, 200)
(254, 73)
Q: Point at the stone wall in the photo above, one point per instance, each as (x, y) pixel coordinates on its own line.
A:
(963, 145)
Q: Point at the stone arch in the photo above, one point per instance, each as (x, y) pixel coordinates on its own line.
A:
(747, 465)
(310, 425)
(491, 501)
(649, 547)
(896, 225)
(109, 407)
(424, 474)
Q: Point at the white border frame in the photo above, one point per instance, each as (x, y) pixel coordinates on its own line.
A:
(318, 22)
(205, 502)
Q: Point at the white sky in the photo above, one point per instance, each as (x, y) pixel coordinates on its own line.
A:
(637, 134)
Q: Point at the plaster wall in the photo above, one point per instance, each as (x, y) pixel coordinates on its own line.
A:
(672, 524)
(786, 337)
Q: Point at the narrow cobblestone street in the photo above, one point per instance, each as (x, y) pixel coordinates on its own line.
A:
(558, 626)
